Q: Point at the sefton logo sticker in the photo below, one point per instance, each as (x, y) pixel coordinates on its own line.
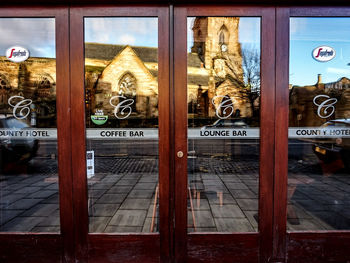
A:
(323, 53)
(17, 54)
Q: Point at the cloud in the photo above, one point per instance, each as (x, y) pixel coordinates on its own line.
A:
(127, 40)
(249, 30)
(122, 30)
(35, 34)
(297, 24)
(338, 70)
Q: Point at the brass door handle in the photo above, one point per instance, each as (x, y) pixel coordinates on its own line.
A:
(180, 154)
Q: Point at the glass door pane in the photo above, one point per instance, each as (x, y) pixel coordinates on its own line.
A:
(223, 93)
(319, 124)
(28, 130)
(121, 99)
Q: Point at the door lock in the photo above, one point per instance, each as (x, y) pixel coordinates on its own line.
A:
(180, 154)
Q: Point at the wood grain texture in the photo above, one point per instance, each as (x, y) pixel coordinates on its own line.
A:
(165, 181)
(78, 148)
(267, 133)
(281, 131)
(180, 133)
(318, 247)
(223, 248)
(64, 135)
(31, 248)
(124, 248)
(179, 2)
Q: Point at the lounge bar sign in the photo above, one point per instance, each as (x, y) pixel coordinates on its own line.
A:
(17, 54)
(323, 53)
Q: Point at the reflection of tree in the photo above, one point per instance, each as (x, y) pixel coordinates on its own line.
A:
(250, 77)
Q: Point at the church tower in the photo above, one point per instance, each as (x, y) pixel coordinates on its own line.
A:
(216, 41)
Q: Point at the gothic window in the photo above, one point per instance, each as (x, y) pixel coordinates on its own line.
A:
(127, 88)
(127, 85)
(223, 35)
(4, 89)
(44, 87)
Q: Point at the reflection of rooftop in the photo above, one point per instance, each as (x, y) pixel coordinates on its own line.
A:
(146, 54)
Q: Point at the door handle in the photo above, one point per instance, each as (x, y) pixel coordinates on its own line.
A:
(180, 154)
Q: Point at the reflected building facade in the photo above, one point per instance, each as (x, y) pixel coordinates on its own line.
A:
(303, 110)
(215, 73)
(28, 80)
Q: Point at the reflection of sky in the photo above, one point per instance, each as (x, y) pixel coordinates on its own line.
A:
(134, 31)
(35, 34)
(249, 32)
(307, 34)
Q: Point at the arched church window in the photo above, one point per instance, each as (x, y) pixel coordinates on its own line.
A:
(44, 87)
(4, 89)
(127, 88)
(127, 85)
(223, 36)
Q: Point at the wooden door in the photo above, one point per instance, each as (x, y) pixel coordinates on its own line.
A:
(224, 133)
(36, 178)
(120, 90)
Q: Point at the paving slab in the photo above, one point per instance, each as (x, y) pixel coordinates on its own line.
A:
(230, 211)
(54, 199)
(305, 224)
(7, 215)
(27, 190)
(101, 186)
(43, 194)
(42, 210)
(203, 218)
(243, 194)
(248, 204)
(49, 229)
(136, 204)
(24, 204)
(129, 218)
(140, 194)
(233, 225)
(103, 210)
(111, 199)
(119, 189)
(126, 182)
(53, 220)
(123, 229)
(235, 186)
(98, 224)
(214, 198)
(9, 199)
(22, 224)
(145, 186)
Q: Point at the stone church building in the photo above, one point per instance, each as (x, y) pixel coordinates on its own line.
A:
(114, 73)
(303, 111)
(214, 73)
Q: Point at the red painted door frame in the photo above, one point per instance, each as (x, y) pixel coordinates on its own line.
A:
(173, 244)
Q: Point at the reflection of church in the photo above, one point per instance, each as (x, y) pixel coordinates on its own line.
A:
(304, 113)
(34, 79)
(214, 70)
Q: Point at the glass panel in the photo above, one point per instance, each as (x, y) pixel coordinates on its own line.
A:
(223, 93)
(121, 87)
(28, 134)
(319, 124)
